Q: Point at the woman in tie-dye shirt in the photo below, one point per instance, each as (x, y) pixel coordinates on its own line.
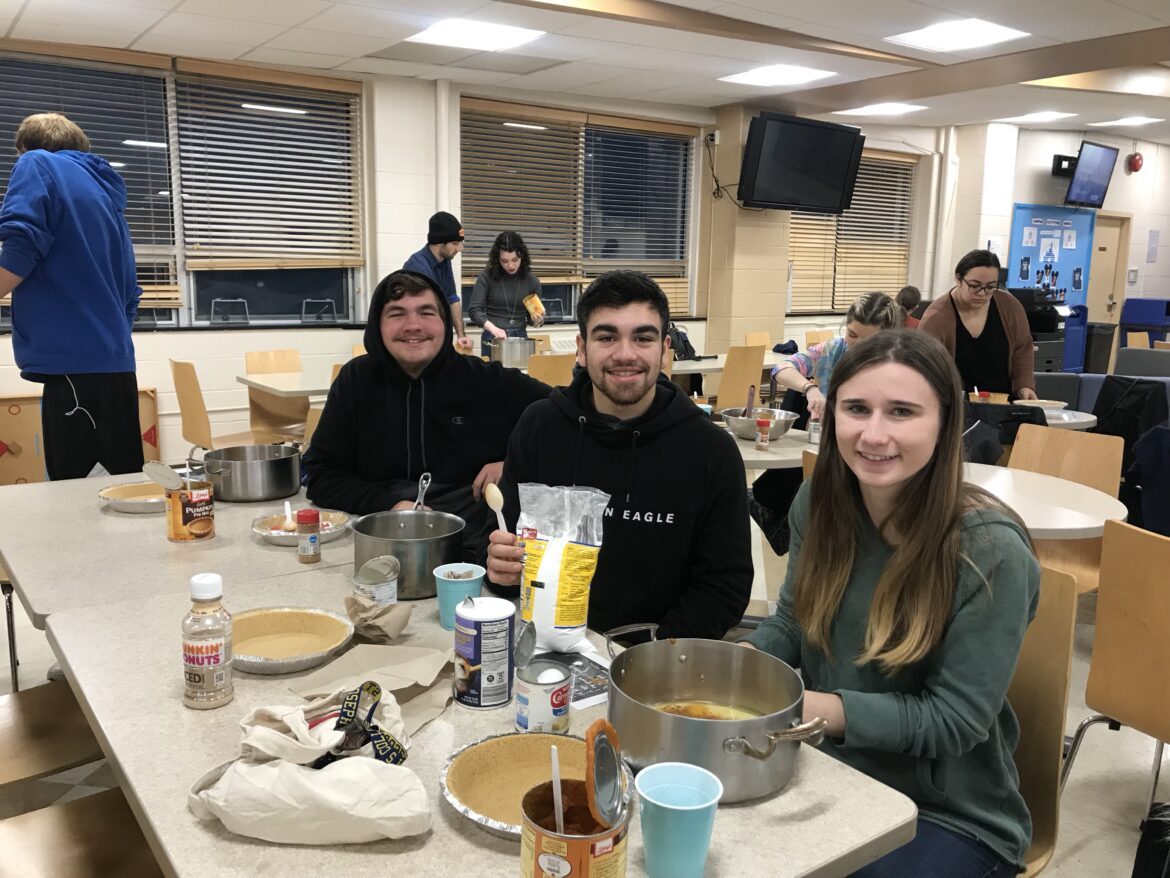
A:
(808, 372)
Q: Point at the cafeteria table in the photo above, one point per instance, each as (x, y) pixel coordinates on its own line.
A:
(123, 664)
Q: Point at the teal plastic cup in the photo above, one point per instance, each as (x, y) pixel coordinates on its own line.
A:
(677, 801)
(451, 591)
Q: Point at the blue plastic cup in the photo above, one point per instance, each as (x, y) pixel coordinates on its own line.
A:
(452, 591)
(678, 803)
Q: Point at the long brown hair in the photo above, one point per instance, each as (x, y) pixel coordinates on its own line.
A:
(913, 600)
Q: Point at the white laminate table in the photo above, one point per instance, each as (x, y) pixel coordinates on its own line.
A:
(787, 452)
(64, 549)
(1051, 508)
(123, 663)
(315, 381)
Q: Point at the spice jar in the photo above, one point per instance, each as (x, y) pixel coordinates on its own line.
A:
(763, 425)
(308, 536)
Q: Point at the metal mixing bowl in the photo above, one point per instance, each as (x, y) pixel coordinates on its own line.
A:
(745, 428)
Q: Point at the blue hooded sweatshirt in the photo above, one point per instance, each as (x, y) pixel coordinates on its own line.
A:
(63, 229)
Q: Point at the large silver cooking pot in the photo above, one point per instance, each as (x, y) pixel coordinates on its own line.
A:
(512, 352)
(250, 473)
(752, 757)
(421, 540)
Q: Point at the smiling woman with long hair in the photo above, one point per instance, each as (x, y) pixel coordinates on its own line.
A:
(497, 299)
(906, 600)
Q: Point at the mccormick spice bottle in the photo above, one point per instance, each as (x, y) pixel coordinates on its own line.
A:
(308, 536)
(763, 425)
(207, 645)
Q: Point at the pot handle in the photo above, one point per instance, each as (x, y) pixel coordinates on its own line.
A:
(811, 732)
(191, 461)
(652, 627)
(219, 469)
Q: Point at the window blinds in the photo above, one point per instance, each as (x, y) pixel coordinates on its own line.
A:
(270, 175)
(835, 259)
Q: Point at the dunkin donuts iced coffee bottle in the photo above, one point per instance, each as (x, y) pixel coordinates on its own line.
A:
(207, 645)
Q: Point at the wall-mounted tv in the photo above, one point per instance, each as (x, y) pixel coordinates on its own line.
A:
(1090, 179)
(790, 163)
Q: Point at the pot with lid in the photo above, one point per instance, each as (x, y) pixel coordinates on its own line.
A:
(512, 352)
(731, 710)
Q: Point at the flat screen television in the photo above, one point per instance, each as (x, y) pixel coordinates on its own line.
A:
(790, 163)
(1090, 179)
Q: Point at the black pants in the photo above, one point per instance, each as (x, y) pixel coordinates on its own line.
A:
(87, 419)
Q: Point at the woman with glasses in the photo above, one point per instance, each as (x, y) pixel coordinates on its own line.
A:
(985, 329)
(497, 300)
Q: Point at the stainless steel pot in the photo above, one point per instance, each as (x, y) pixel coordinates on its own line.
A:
(250, 473)
(512, 352)
(420, 539)
(752, 757)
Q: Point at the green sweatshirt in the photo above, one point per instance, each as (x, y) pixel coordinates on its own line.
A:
(942, 731)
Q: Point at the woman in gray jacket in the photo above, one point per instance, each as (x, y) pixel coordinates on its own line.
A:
(497, 300)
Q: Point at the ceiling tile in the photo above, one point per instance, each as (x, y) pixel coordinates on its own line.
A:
(434, 8)
(1159, 9)
(346, 18)
(145, 4)
(302, 39)
(9, 8)
(5, 23)
(422, 53)
(188, 47)
(877, 19)
(288, 58)
(392, 68)
(206, 27)
(570, 75)
(633, 86)
(468, 76)
(69, 32)
(1063, 20)
(506, 62)
(104, 16)
(569, 48)
(524, 16)
(650, 58)
(286, 12)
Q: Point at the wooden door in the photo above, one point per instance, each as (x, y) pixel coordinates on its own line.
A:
(1107, 270)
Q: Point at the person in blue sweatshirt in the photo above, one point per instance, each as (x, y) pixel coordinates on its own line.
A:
(66, 256)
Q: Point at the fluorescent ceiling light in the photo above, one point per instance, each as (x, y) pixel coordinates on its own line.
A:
(1042, 116)
(151, 143)
(1148, 84)
(1128, 120)
(523, 125)
(463, 33)
(778, 74)
(955, 36)
(117, 164)
(893, 109)
(292, 111)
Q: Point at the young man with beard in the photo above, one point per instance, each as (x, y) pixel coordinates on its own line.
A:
(676, 548)
(411, 405)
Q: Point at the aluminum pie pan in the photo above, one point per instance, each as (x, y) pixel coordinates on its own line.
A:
(502, 828)
(135, 497)
(334, 525)
(310, 635)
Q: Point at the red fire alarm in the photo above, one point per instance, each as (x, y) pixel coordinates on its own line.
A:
(1134, 162)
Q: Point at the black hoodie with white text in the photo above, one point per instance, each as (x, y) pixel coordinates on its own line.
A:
(676, 547)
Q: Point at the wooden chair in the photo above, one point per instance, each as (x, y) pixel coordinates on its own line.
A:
(1086, 458)
(751, 339)
(268, 413)
(1137, 340)
(358, 349)
(1131, 652)
(336, 371)
(312, 419)
(543, 343)
(555, 370)
(816, 336)
(44, 732)
(1162, 345)
(94, 836)
(668, 369)
(196, 426)
(808, 462)
(741, 370)
(1039, 696)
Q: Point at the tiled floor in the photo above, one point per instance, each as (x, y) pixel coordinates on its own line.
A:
(1101, 807)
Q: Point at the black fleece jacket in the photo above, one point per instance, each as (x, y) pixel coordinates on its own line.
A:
(676, 548)
(381, 429)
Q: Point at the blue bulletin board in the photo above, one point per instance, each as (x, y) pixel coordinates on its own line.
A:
(1051, 247)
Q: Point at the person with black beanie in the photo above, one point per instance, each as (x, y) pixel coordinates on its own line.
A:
(444, 243)
(413, 404)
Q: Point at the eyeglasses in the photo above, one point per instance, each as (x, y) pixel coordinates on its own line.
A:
(981, 288)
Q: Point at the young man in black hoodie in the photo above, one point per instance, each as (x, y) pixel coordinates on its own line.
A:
(413, 404)
(676, 548)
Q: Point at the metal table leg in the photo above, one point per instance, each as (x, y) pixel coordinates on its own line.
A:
(6, 587)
